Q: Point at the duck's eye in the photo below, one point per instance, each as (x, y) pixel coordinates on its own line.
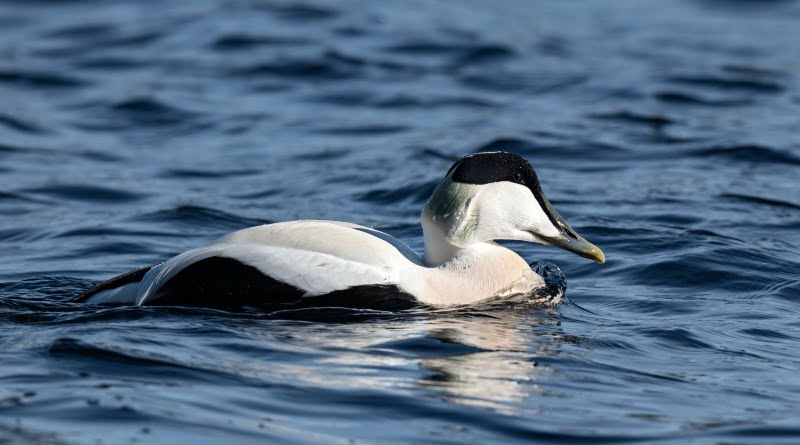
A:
(518, 177)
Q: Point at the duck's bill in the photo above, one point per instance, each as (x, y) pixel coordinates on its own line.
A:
(578, 246)
(567, 239)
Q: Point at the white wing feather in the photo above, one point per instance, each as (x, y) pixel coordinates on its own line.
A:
(317, 257)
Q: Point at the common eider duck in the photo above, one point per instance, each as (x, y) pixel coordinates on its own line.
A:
(483, 198)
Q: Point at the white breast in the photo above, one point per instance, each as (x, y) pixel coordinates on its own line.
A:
(478, 272)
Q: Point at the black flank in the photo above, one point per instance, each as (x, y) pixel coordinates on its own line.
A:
(226, 283)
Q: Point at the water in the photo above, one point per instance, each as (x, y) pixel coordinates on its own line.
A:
(665, 132)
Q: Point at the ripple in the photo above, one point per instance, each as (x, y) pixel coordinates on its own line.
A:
(110, 63)
(657, 307)
(87, 193)
(43, 80)
(82, 40)
(678, 337)
(112, 232)
(416, 193)
(679, 97)
(111, 248)
(400, 101)
(143, 105)
(461, 53)
(346, 98)
(537, 151)
(6, 148)
(201, 216)
(323, 155)
(150, 111)
(363, 130)
(635, 118)
(302, 12)
(20, 234)
(77, 348)
(426, 346)
(134, 40)
(434, 154)
(510, 144)
(301, 68)
(333, 315)
(761, 431)
(17, 123)
(729, 83)
(423, 47)
(407, 101)
(789, 291)
(208, 174)
(766, 333)
(760, 200)
(11, 196)
(101, 156)
(240, 41)
(90, 31)
(753, 71)
(258, 194)
(509, 81)
(488, 53)
(51, 295)
(748, 153)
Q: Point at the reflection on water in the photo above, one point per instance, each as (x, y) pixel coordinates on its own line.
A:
(501, 371)
(487, 360)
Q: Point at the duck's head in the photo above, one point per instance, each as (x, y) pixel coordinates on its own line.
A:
(497, 196)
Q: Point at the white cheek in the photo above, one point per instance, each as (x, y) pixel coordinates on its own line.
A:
(499, 215)
(509, 211)
(540, 223)
(525, 214)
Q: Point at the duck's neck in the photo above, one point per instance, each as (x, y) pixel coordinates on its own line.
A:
(438, 249)
(463, 275)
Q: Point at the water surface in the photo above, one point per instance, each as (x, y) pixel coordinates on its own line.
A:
(664, 132)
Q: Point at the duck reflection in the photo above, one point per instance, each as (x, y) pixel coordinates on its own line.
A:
(484, 358)
(503, 369)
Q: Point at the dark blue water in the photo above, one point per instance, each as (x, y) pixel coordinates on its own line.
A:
(668, 133)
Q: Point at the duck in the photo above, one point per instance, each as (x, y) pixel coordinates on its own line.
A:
(483, 198)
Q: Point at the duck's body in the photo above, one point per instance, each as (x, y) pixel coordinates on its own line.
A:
(316, 258)
(307, 261)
